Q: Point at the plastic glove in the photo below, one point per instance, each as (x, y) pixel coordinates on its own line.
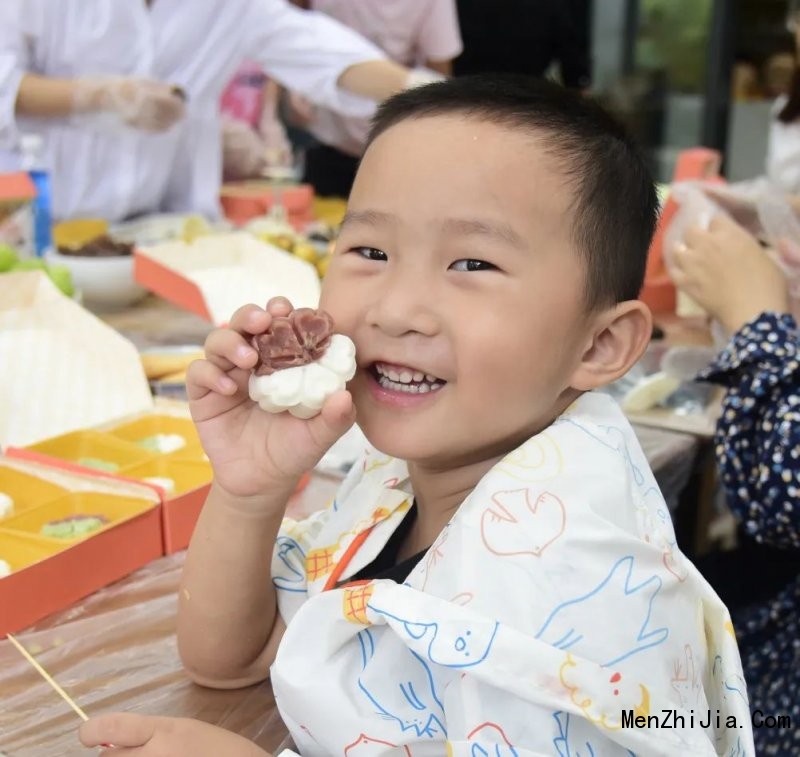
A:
(244, 153)
(726, 271)
(301, 111)
(278, 149)
(418, 77)
(141, 103)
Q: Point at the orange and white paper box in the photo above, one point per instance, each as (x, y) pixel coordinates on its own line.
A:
(61, 368)
(215, 275)
(48, 574)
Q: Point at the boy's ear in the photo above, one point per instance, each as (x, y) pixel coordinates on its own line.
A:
(620, 336)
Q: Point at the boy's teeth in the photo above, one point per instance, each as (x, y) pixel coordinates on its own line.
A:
(407, 380)
(396, 386)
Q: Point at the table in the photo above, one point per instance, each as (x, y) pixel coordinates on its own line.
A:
(154, 322)
(116, 649)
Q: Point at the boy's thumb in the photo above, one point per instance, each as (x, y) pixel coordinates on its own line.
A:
(337, 416)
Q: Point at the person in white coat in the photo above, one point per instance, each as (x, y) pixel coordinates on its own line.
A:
(126, 94)
(783, 148)
(421, 33)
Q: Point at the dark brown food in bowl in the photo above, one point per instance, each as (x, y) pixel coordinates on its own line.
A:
(99, 247)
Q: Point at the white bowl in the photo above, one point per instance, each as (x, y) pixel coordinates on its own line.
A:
(105, 283)
(158, 227)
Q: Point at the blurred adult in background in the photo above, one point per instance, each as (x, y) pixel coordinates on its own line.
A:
(527, 37)
(416, 33)
(126, 94)
(783, 149)
(758, 451)
(253, 136)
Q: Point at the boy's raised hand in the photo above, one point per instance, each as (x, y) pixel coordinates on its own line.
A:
(150, 736)
(254, 452)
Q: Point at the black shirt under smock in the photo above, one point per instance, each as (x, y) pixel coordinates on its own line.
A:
(385, 565)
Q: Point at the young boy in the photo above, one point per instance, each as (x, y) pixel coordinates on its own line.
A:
(499, 575)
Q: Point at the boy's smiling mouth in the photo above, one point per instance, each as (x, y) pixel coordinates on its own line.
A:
(392, 378)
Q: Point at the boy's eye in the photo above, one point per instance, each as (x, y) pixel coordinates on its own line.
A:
(370, 253)
(470, 264)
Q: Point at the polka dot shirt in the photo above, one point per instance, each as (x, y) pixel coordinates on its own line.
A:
(758, 449)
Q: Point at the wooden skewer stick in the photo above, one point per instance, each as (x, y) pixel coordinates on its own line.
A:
(44, 674)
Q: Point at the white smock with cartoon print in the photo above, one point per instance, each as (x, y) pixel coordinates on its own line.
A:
(554, 601)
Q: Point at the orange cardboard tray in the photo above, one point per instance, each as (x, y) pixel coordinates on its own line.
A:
(188, 467)
(15, 187)
(55, 582)
(169, 284)
(243, 201)
(215, 275)
(179, 511)
(179, 515)
(49, 574)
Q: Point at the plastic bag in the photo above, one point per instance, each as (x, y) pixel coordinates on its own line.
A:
(696, 208)
(782, 229)
(758, 206)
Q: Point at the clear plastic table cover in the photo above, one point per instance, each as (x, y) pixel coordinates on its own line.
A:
(116, 651)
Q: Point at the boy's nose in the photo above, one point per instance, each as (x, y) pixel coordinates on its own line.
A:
(405, 305)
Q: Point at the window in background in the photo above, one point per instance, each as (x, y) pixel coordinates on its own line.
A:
(657, 81)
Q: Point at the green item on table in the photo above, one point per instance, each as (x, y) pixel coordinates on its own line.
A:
(8, 258)
(29, 264)
(98, 464)
(163, 443)
(61, 276)
(73, 526)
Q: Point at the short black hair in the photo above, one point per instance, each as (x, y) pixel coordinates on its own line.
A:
(615, 207)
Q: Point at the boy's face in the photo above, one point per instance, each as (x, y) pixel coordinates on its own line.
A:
(455, 262)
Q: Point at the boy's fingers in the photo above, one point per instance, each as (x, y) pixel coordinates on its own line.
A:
(337, 415)
(203, 377)
(250, 319)
(122, 729)
(226, 348)
(279, 307)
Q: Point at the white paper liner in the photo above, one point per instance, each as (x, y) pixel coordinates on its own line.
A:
(61, 368)
(232, 270)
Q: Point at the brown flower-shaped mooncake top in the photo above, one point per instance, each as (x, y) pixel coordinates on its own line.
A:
(297, 339)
